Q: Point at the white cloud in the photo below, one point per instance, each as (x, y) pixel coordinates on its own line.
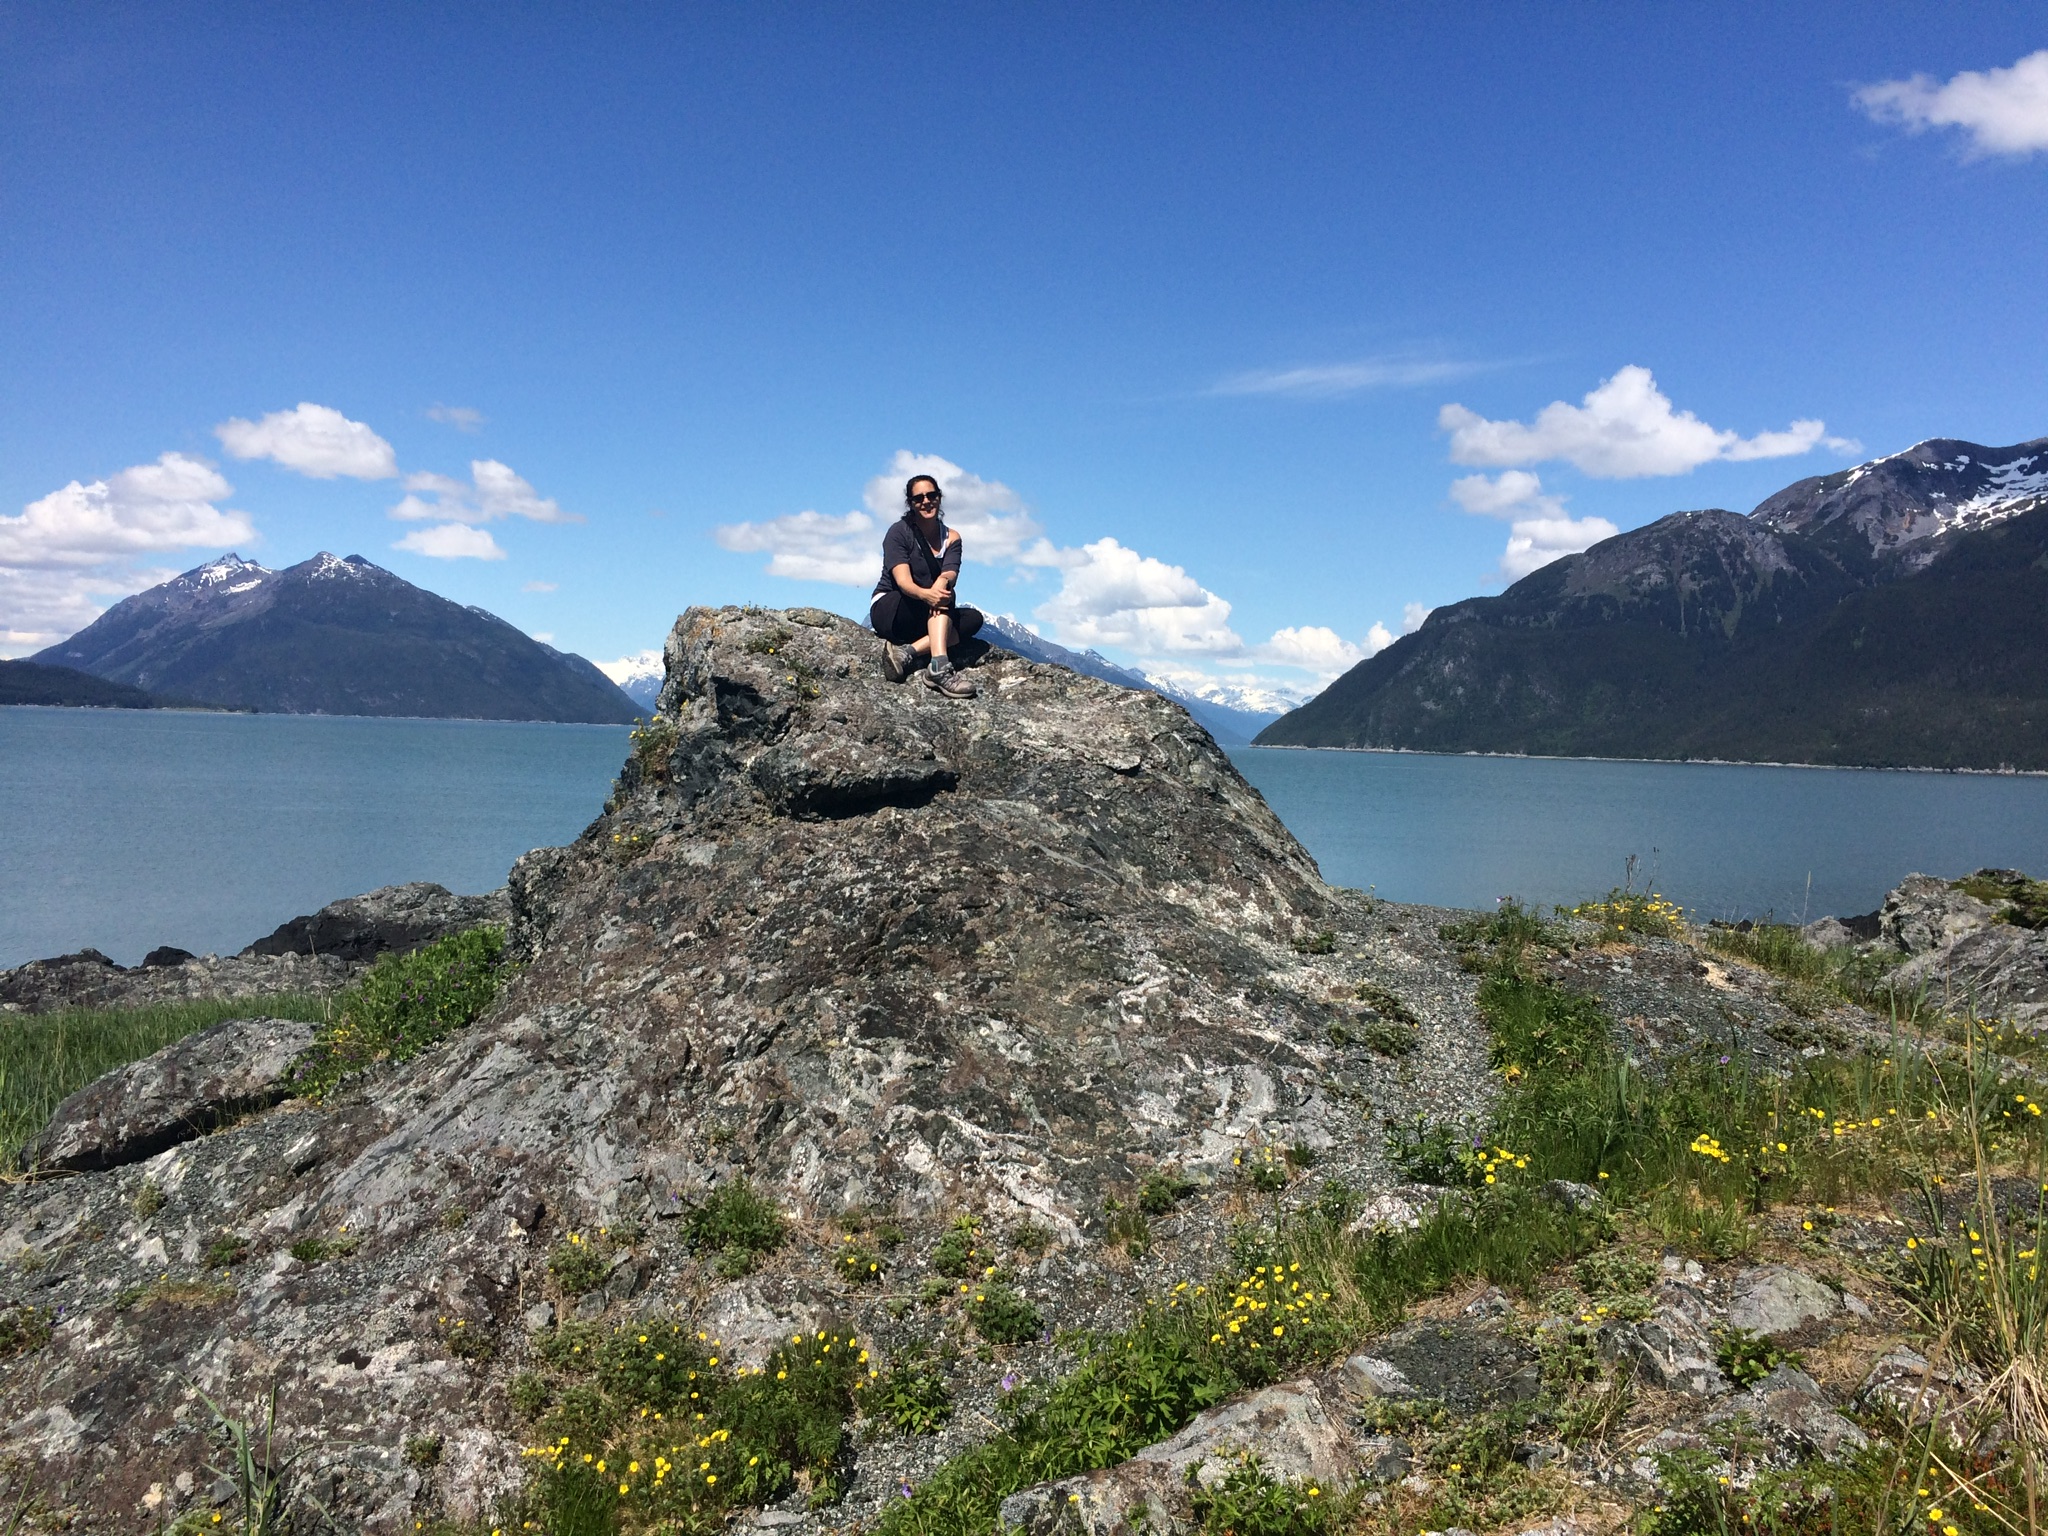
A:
(1534, 542)
(1110, 595)
(452, 541)
(811, 546)
(2004, 111)
(1623, 430)
(461, 417)
(165, 505)
(1540, 529)
(1324, 381)
(540, 586)
(75, 546)
(1315, 648)
(1513, 493)
(544, 636)
(992, 520)
(1412, 615)
(493, 491)
(315, 440)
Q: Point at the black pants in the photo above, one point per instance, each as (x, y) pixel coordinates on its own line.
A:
(904, 620)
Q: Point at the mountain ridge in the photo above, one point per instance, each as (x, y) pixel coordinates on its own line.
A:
(333, 636)
(1888, 615)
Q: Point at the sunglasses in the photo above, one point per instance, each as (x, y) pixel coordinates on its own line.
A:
(926, 498)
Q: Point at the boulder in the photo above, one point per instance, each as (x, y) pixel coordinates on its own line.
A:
(184, 1090)
(1910, 1388)
(1795, 1418)
(393, 918)
(1924, 914)
(1466, 1363)
(1055, 955)
(1673, 1348)
(1777, 1301)
(1287, 1428)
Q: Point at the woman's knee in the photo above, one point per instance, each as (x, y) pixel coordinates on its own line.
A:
(965, 622)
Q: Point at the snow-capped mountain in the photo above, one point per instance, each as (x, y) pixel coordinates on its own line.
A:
(638, 676)
(1894, 613)
(332, 636)
(1231, 713)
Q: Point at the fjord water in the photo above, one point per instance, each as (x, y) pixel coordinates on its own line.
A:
(126, 829)
(1724, 840)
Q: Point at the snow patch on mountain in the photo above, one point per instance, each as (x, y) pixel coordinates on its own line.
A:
(639, 676)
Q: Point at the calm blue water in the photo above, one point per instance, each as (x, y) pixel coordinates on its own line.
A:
(126, 829)
(1721, 840)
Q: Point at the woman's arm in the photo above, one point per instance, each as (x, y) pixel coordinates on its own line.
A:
(937, 595)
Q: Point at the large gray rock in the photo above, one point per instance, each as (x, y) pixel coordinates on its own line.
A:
(1795, 1418)
(1924, 914)
(870, 947)
(1288, 1428)
(395, 918)
(1776, 1300)
(183, 1091)
(1464, 1362)
(321, 952)
(1673, 1348)
(1910, 1388)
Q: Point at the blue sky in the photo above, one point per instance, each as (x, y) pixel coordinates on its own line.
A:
(1184, 293)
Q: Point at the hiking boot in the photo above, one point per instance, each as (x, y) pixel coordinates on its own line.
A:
(897, 660)
(951, 684)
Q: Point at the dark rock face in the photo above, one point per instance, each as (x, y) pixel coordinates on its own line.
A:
(399, 918)
(1875, 616)
(321, 952)
(180, 1093)
(866, 945)
(333, 637)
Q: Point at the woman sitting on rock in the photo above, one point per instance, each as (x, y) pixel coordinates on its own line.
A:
(913, 608)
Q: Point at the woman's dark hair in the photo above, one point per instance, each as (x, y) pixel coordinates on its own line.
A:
(911, 485)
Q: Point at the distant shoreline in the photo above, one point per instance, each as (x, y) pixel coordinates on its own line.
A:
(282, 714)
(1684, 762)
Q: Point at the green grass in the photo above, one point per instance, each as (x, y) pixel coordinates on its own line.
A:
(46, 1057)
(404, 1004)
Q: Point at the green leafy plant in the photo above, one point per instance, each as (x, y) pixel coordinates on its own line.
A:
(957, 1254)
(318, 1250)
(1322, 943)
(149, 1199)
(1746, 1357)
(737, 1222)
(404, 1005)
(1162, 1190)
(423, 1450)
(858, 1265)
(912, 1398)
(578, 1264)
(225, 1251)
(258, 1476)
(1001, 1316)
(530, 1395)
(1262, 1167)
(1249, 1501)
(1034, 1237)
(1386, 1004)
(1126, 1227)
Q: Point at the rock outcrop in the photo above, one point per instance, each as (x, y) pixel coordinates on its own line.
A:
(320, 952)
(869, 947)
(174, 1096)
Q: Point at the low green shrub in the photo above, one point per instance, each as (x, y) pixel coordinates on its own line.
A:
(23, 1330)
(1163, 1190)
(737, 1222)
(957, 1253)
(578, 1264)
(1249, 1501)
(912, 1398)
(1001, 1316)
(405, 1004)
